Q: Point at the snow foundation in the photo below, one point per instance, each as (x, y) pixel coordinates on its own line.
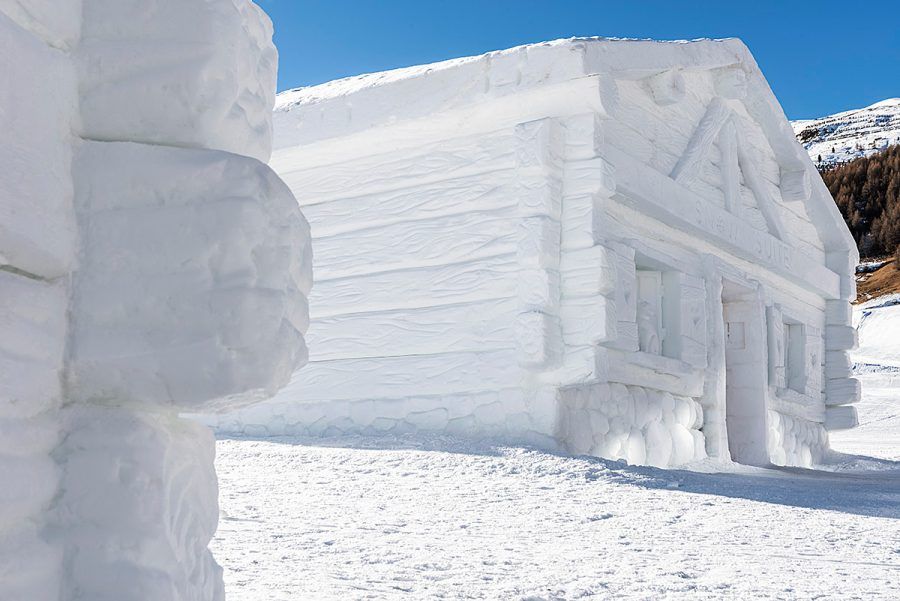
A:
(639, 425)
(136, 281)
(612, 247)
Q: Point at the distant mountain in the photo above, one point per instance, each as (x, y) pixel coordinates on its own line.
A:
(849, 135)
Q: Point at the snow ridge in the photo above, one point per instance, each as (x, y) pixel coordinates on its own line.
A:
(850, 134)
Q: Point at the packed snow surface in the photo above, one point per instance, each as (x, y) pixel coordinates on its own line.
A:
(367, 518)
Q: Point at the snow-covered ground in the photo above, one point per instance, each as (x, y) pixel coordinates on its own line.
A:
(851, 134)
(364, 518)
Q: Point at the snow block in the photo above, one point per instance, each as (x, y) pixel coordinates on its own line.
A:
(37, 226)
(140, 506)
(193, 276)
(30, 568)
(56, 23)
(842, 391)
(209, 81)
(840, 338)
(841, 418)
(33, 326)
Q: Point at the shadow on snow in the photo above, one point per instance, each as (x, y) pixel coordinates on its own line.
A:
(851, 484)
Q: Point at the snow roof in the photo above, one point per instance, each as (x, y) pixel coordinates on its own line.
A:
(616, 53)
(566, 76)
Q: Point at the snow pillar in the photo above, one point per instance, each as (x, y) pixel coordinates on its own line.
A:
(38, 103)
(190, 293)
(152, 267)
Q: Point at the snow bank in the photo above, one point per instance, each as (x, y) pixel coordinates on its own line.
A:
(192, 281)
(879, 333)
(208, 83)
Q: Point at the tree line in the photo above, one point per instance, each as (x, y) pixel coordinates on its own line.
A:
(867, 192)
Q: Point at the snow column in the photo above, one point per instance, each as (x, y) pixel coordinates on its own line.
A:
(38, 102)
(190, 291)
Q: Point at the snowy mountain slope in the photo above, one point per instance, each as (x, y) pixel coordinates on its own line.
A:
(413, 518)
(850, 134)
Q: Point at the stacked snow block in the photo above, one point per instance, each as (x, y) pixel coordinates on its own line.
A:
(38, 103)
(632, 423)
(152, 266)
(841, 391)
(192, 281)
(140, 507)
(795, 441)
(209, 81)
(190, 291)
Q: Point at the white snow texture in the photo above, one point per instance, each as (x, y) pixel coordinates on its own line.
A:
(149, 264)
(613, 247)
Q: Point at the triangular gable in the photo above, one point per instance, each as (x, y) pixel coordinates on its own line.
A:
(721, 126)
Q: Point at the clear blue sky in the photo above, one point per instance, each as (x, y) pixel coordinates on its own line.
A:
(820, 57)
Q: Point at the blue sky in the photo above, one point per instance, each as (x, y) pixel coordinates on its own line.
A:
(820, 57)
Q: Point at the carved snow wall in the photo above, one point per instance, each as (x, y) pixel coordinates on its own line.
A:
(613, 247)
(149, 264)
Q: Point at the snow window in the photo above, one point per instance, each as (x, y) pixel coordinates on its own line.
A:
(657, 311)
(794, 355)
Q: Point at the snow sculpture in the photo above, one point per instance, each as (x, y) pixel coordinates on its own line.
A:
(152, 267)
(578, 244)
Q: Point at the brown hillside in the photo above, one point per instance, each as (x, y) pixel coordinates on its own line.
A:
(885, 280)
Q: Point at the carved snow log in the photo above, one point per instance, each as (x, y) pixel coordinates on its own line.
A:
(402, 169)
(838, 365)
(588, 320)
(210, 83)
(539, 338)
(588, 272)
(420, 244)
(204, 256)
(838, 312)
(843, 391)
(460, 327)
(461, 282)
(840, 338)
(429, 201)
(841, 418)
(397, 377)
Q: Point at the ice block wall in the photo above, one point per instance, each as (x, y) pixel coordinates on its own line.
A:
(150, 263)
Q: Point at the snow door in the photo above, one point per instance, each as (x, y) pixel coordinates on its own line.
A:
(746, 374)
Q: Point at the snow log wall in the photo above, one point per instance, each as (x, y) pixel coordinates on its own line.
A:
(615, 247)
(149, 263)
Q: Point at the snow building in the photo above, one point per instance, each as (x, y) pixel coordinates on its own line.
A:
(613, 247)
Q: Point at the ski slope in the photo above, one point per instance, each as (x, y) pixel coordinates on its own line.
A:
(366, 518)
